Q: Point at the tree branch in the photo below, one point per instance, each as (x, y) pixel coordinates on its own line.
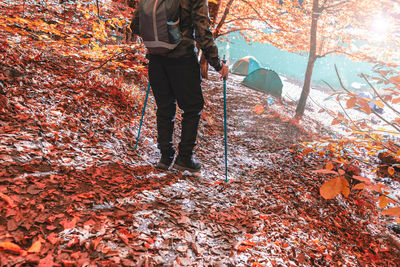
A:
(222, 21)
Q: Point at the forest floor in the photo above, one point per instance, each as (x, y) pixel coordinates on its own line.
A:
(74, 191)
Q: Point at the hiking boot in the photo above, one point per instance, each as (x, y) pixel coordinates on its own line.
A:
(165, 162)
(187, 164)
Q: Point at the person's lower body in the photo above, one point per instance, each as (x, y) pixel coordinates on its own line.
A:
(177, 81)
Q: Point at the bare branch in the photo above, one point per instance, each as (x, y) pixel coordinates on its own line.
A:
(327, 53)
(258, 13)
(338, 4)
(222, 21)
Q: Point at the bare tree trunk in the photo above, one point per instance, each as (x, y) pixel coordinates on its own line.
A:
(311, 60)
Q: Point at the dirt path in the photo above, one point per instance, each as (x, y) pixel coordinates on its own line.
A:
(71, 180)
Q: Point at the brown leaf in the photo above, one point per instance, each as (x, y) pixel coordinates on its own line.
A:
(12, 225)
(33, 190)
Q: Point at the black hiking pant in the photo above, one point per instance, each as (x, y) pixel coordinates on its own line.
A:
(176, 80)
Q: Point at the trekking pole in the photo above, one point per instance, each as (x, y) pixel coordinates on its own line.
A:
(225, 130)
(141, 119)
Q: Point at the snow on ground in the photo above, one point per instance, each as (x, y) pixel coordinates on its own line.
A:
(322, 98)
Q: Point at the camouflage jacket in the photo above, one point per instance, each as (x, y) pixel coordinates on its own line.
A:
(195, 26)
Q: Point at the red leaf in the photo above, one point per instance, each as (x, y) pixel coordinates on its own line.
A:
(52, 238)
(47, 262)
(7, 199)
(69, 224)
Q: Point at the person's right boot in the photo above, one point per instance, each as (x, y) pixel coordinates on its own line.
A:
(186, 163)
(167, 157)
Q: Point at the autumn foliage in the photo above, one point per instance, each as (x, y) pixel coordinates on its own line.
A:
(75, 192)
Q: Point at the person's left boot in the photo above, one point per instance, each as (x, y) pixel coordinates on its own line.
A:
(165, 161)
(187, 163)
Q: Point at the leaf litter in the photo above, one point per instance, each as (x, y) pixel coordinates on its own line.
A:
(75, 192)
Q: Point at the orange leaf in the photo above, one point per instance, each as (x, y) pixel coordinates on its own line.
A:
(335, 121)
(364, 106)
(10, 247)
(306, 151)
(379, 103)
(395, 79)
(329, 165)
(360, 186)
(96, 242)
(362, 179)
(396, 101)
(341, 172)
(391, 170)
(333, 187)
(383, 202)
(35, 248)
(258, 109)
(392, 211)
(346, 191)
(351, 102)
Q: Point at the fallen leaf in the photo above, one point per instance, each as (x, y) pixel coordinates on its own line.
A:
(258, 109)
(7, 199)
(383, 202)
(11, 247)
(392, 211)
(35, 248)
(52, 238)
(48, 261)
(69, 224)
(96, 242)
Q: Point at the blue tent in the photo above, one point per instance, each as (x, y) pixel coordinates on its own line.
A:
(264, 80)
(245, 66)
